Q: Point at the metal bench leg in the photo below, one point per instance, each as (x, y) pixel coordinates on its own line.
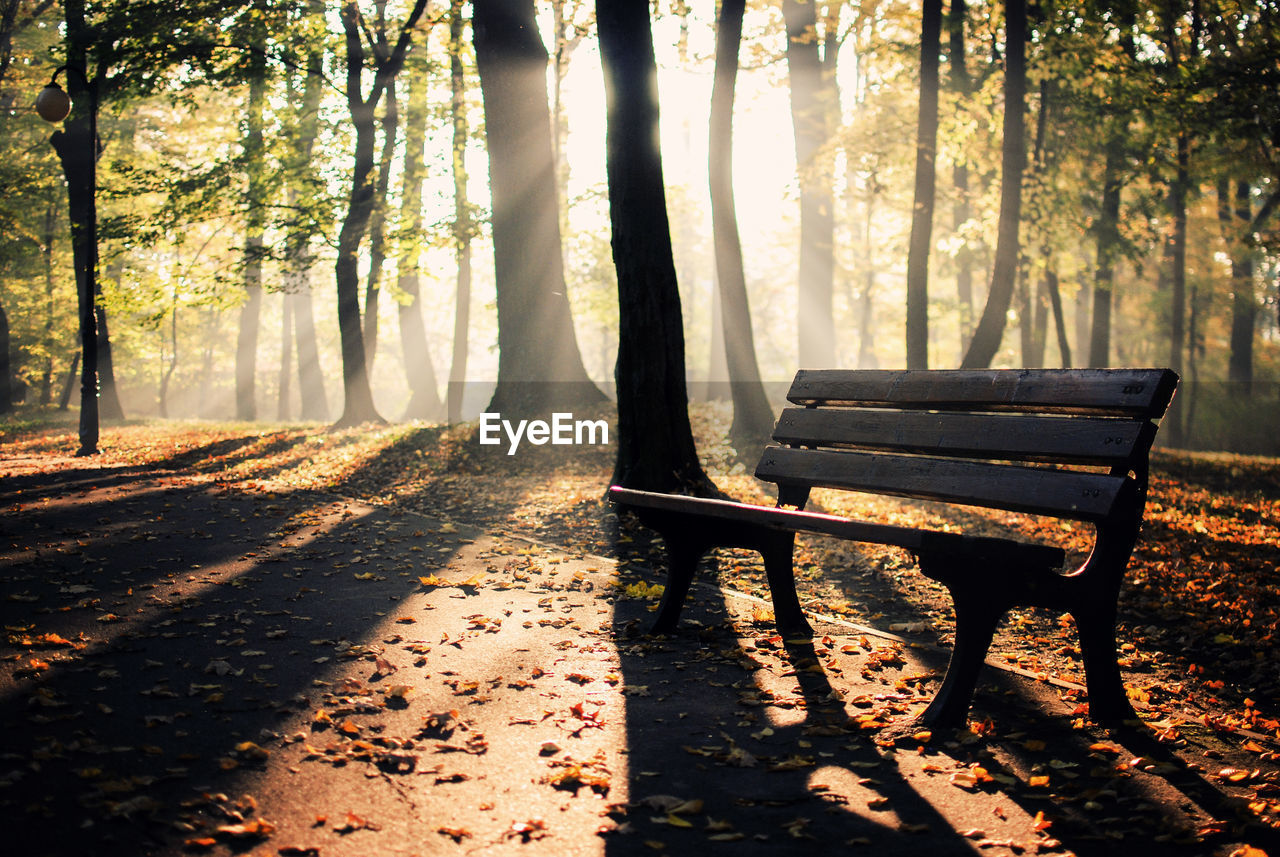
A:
(1108, 702)
(788, 615)
(977, 615)
(682, 561)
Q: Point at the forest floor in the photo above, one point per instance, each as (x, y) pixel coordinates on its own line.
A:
(1199, 619)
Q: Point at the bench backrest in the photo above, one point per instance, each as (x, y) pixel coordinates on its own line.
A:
(1070, 443)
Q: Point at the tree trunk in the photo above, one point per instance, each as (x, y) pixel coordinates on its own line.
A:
(1026, 333)
(1108, 238)
(77, 148)
(284, 390)
(656, 451)
(539, 364)
(378, 225)
(70, 383)
(565, 43)
(752, 415)
(961, 85)
(6, 369)
(254, 245)
(46, 252)
(108, 391)
(990, 331)
(314, 400)
(810, 112)
(358, 404)
(1060, 323)
(717, 361)
(424, 397)
(926, 180)
(866, 298)
(1244, 305)
(1176, 260)
(462, 221)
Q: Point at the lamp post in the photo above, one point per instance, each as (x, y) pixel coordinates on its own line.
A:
(77, 147)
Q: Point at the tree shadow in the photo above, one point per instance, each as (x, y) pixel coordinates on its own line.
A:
(160, 661)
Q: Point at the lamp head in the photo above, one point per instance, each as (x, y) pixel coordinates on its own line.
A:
(53, 104)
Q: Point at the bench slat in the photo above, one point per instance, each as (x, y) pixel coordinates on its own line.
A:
(920, 541)
(1018, 488)
(1123, 392)
(1082, 440)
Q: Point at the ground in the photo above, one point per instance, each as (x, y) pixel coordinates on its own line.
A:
(231, 639)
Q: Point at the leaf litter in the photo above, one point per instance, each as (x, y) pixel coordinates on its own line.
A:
(1195, 617)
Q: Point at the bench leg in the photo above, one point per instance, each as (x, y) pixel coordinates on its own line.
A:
(682, 561)
(1108, 702)
(976, 618)
(788, 615)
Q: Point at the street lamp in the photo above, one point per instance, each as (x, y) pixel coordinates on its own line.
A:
(77, 148)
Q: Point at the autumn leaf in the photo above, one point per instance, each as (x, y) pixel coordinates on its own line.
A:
(457, 834)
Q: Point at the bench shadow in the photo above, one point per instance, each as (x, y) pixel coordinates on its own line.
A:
(777, 760)
(708, 722)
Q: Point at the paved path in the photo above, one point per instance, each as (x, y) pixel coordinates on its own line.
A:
(188, 668)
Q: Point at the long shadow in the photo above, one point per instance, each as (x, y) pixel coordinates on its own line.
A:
(707, 722)
(149, 671)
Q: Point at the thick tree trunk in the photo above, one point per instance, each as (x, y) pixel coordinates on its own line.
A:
(462, 221)
(926, 180)
(77, 148)
(424, 397)
(539, 364)
(990, 331)
(752, 415)
(655, 442)
(358, 404)
(810, 112)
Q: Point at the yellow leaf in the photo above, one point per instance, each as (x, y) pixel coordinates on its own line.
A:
(431, 580)
(676, 821)
(1038, 781)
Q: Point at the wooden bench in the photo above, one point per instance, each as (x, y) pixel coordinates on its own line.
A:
(1063, 443)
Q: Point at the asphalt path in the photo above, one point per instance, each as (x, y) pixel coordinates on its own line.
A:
(190, 667)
